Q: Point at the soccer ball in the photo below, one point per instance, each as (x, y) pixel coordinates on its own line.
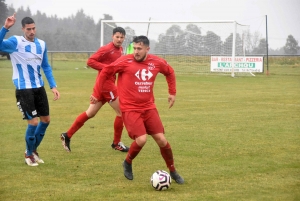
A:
(160, 180)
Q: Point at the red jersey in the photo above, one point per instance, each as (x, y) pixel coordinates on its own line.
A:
(104, 56)
(136, 80)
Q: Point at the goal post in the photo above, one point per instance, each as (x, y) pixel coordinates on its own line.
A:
(189, 46)
(233, 49)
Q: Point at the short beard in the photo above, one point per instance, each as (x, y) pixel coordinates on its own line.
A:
(142, 59)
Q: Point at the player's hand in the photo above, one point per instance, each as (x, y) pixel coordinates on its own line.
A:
(10, 21)
(171, 100)
(55, 93)
(93, 99)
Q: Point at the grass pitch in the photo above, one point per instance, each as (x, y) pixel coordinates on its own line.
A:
(232, 138)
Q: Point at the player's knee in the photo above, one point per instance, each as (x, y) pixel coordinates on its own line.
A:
(160, 139)
(141, 140)
(45, 119)
(33, 122)
(91, 115)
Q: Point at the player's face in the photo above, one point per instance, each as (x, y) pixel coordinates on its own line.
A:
(118, 39)
(140, 51)
(29, 31)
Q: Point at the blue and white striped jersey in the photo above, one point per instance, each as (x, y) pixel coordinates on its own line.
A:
(27, 58)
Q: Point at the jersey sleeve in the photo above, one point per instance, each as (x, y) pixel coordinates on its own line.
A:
(169, 73)
(171, 80)
(106, 73)
(48, 70)
(95, 60)
(8, 45)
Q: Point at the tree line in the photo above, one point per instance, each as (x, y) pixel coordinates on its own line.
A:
(79, 32)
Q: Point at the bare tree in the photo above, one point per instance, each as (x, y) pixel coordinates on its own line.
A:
(252, 40)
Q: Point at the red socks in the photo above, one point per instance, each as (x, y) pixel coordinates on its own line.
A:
(167, 154)
(165, 151)
(118, 128)
(82, 118)
(77, 124)
(134, 150)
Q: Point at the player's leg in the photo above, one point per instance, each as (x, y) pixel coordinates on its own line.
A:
(83, 117)
(155, 128)
(30, 139)
(39, 135)
(136, 131)
(25, 103)
(118, 127)
(78, 123)
(42, 108)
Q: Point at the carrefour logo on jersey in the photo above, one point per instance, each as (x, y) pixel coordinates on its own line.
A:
(143, 74)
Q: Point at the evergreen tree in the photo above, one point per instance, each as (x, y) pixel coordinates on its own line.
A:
(191, 40)
(212, 43)
(3, 11)
(291, 45)
(261, 48)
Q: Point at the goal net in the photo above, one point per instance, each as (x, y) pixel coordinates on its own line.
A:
(189, 47)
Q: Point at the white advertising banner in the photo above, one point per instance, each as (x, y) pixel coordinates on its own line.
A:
(242, 64)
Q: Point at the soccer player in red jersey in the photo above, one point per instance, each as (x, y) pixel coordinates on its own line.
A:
(104, 56)
(136, 76)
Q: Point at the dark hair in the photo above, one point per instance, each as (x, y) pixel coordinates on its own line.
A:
(141, 39)
(120, 30)
(27, 20)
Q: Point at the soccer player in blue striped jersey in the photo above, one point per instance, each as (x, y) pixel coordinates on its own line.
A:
(29, 57)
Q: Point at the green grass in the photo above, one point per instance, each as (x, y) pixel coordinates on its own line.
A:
(232, 138)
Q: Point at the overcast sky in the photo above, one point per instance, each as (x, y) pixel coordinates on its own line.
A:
(283, 15)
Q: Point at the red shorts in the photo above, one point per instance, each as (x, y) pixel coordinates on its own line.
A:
(108, 96)
(139, 123)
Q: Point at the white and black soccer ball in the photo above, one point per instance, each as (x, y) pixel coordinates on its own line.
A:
(160, 180)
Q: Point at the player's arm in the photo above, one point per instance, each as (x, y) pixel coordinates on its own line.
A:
(10, 21)
(169, 73)
(171, 80)
(8, 45)
(48, 70)
(49, 75)
(95, 60)
(105, 74)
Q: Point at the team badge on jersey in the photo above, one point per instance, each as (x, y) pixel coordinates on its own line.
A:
(151, 66)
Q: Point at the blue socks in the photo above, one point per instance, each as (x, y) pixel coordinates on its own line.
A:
(39, 133)
(30, 139)
(34, 136)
